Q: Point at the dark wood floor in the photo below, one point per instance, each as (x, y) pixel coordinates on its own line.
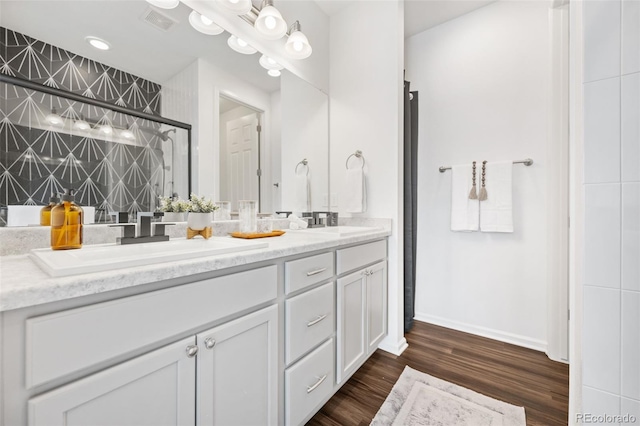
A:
(513, 374)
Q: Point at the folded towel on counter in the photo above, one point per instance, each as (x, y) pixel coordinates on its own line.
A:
(465, 213)
(496, 212)
(302, 186)
(296, 223)
(355, 191)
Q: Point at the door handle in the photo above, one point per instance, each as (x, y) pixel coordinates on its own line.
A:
(316, 384)
(316, 272)
(317, 320)
(192, 350)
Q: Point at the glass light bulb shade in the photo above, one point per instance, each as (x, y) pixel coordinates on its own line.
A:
(164, 4)
(297, 46)
(54, 119)
(106, 129)
(197, 21)
(127, 134)
(270, 24)
(274, 73)
(239, 7)
(269, 64)
(243, 48)
(81, 125)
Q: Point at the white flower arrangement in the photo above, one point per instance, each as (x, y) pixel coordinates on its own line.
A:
(173, 205)
(201, 205)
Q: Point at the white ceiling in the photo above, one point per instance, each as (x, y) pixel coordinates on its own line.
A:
(146, 51)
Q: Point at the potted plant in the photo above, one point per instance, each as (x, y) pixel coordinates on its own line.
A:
(174, 209)
(200, 212)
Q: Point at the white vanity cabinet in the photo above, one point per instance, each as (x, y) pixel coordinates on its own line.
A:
(361, 306)
(156, 389)
(238, 371)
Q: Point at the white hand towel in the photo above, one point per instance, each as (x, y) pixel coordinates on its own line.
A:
(465, 213)
(496, 212)
(302, 193)
(355, 191)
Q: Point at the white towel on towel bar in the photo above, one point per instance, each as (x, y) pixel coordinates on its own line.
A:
(496, 212)
(356, 191)
(302, 193)
(465, 213)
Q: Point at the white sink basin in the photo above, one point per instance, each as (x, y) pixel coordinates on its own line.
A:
(342, 231)
(106, 257)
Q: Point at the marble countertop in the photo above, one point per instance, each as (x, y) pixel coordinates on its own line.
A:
(23, 283)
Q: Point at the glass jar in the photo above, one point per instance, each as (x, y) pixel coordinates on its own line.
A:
(248, 216)
(223, 212)
(265, 225)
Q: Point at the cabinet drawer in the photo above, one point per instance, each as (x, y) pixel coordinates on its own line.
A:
(309, 320)
(302, 273)
(308, 383)
(69, 341)
(355, 257)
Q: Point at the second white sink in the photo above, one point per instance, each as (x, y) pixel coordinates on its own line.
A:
(106, 257)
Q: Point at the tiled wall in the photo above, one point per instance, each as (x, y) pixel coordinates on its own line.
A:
(37, 159)
(611, 322)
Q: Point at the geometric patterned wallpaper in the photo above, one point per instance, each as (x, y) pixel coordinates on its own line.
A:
(38, 159)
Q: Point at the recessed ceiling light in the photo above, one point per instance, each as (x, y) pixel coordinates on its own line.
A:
(98, 43)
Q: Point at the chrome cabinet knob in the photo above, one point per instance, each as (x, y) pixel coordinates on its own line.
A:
(192, 350)
(209, 343)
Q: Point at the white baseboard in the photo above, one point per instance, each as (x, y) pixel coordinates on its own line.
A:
(501, 336)
(395, 348)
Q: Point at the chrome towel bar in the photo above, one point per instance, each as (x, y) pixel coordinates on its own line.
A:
(526, 162)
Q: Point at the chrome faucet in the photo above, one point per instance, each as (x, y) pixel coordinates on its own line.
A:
(147, 231)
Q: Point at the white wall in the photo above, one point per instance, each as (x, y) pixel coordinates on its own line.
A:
(366, 113)
(276, 152)
(305, 134)
(611, 286)
(483, 81)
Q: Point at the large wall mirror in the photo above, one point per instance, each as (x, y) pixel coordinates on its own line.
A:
(254, 136)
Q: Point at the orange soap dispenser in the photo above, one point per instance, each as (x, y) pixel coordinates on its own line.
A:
(45, 212)
(66, 223)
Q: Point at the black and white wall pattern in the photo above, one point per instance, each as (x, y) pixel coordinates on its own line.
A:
(112, 169)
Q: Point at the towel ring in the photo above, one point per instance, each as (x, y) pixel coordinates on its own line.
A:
(304, 162)
(357, 154)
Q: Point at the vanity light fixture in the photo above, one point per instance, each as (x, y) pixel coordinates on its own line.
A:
(297, 46)
(239, 7)
(270, 23)
(106, 129)
(164, 4)
(269, 64)
(203, 24)
(240, 46)
(54, 119)
(127, 134)
(81, 124)
(98, 43)
(274, 73)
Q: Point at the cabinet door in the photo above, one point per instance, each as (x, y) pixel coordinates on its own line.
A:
(376, 305)
(154, 389)
(351, 302)
(237, 371)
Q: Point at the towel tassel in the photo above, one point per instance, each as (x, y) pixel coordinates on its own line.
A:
(483, 191)
(473, 195)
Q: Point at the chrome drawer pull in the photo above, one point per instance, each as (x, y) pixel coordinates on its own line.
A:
(316, 384)
(317, 320)
(316, 272)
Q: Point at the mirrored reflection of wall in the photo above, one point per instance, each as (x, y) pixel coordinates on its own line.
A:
(305, 134)
(115, 161)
